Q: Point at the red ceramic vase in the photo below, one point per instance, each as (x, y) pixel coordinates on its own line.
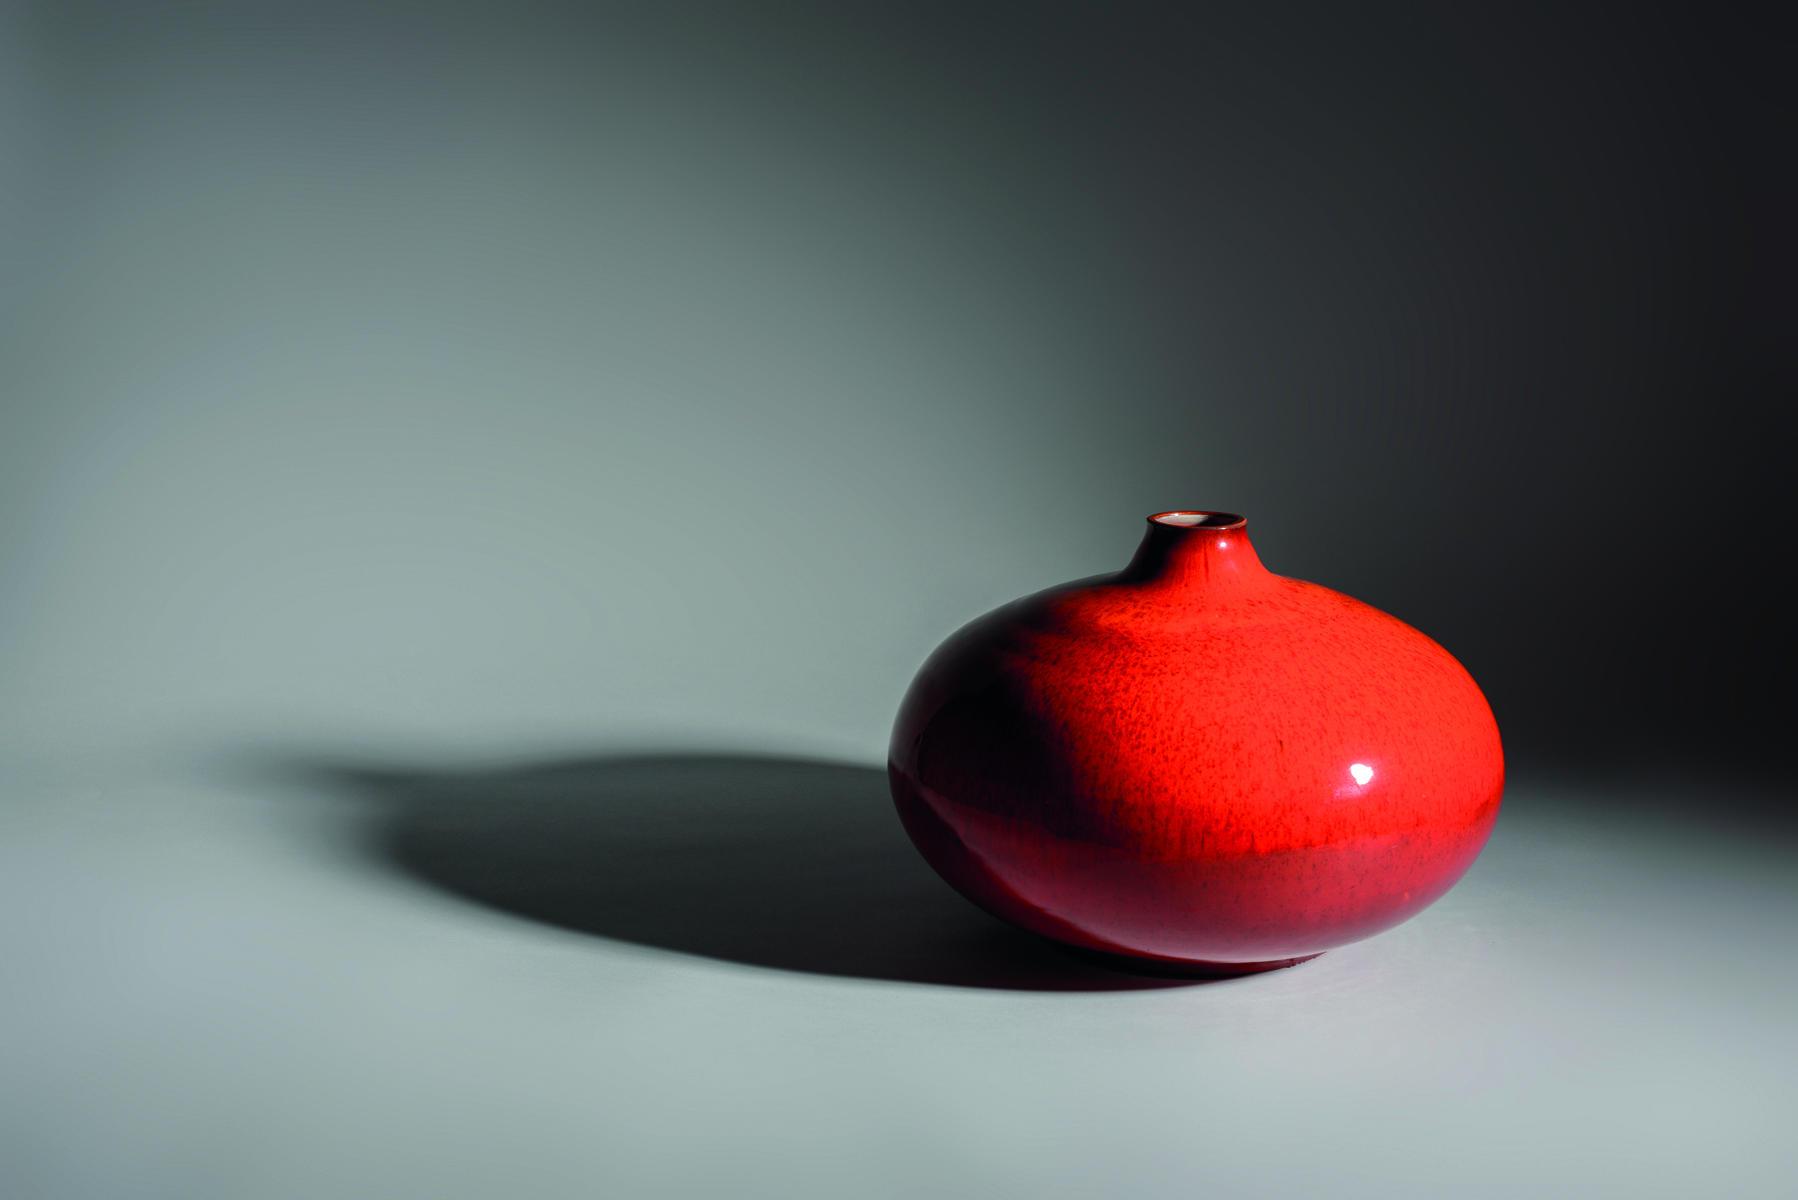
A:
(1196, 766)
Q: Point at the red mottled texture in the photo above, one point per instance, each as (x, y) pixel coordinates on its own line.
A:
(1157, 763)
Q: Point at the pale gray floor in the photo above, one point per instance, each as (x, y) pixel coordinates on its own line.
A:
(272, 975)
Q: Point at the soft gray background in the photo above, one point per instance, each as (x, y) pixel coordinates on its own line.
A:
(431, 436)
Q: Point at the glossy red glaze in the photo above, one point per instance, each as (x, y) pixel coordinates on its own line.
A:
(1197, 764)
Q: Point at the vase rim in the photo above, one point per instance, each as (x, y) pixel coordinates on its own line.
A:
(1197, 518)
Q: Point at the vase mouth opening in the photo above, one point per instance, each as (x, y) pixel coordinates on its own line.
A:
(1194, 519)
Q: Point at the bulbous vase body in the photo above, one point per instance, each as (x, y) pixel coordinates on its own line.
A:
(1194, 765)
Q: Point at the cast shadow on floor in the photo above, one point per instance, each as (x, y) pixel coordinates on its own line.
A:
(773, 862)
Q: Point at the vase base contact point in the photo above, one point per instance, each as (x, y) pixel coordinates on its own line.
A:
(1169, 968)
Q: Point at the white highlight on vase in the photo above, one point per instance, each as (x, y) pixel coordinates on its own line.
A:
(1362, 773)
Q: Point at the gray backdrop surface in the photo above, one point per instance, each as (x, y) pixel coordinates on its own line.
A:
(475, 481)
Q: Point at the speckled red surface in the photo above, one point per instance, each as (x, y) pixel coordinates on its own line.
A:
(1196, 761)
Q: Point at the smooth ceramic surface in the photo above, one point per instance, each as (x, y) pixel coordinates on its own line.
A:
(1195, 764)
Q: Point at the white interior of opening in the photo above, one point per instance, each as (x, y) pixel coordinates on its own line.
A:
(1196, 518)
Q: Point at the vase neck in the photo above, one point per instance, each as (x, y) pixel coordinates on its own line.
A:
(1197, 551)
